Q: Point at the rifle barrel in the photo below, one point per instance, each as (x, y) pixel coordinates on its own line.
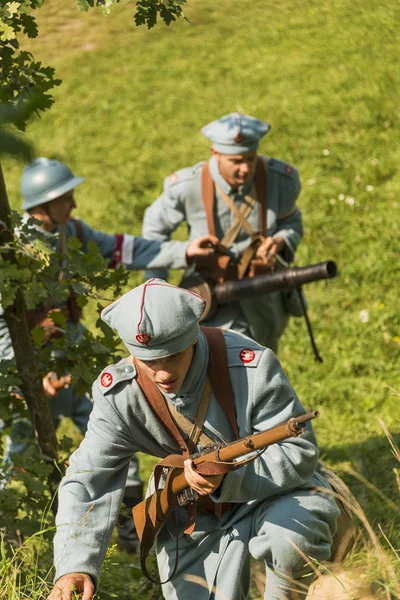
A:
(247, 445)
(284, 279)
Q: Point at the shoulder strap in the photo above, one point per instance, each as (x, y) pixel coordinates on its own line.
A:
(260, 179)
(207, 191)
(194, 430)
(78, 229)
(160, 408)
(218, 374)
(238, 214)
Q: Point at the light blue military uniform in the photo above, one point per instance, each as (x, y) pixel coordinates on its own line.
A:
(275, 501)
(44, 180)
(133, 253)
(262, 318)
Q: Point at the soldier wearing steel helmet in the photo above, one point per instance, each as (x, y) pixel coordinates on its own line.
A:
(47, 188)
(232, 171)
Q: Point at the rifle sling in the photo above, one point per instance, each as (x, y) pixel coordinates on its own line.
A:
(160, 408)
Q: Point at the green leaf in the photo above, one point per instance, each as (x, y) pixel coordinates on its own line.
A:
(12, 8)
(74, 243)
(8, 32)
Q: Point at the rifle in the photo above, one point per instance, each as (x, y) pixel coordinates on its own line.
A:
(153, 512)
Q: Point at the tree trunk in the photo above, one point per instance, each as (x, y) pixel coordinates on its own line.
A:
(25, 357)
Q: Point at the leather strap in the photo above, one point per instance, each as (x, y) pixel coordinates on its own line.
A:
(232, 206)
(78, 229)
(160, 408)
(208, 194)
(207, 191)
(218, 373)
(193, 430)
(261, 181)
(196, 433)
(244, 209)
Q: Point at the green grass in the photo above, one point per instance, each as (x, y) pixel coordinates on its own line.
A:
(326, 76)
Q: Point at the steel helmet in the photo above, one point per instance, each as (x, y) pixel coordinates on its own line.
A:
(45, 179)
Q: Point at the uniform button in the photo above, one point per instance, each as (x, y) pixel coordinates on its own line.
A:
(128, 369)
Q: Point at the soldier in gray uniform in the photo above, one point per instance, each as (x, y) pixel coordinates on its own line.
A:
(231, 170)
(277, 509)
(47, 189)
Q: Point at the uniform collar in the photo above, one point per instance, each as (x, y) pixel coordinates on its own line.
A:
(223, 184)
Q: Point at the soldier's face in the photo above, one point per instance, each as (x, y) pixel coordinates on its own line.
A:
(169, 373)
(236, 169)
(60, 208)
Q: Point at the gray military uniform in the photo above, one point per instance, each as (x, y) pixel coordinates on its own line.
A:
(262, 318)
(274, 511)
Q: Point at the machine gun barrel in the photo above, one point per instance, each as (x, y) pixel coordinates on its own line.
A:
(284, 279)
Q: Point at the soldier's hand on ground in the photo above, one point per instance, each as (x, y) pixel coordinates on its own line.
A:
(202, 246)
(72, 582)
(200, 484)
(268, 250)
(52, 383)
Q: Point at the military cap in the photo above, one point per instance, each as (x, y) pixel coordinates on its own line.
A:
(235, 133)
(155, 319)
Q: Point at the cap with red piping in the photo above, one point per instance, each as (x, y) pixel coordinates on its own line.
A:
(155, 319)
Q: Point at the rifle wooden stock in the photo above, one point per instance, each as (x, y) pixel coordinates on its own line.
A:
(283, 279)
(151, 514)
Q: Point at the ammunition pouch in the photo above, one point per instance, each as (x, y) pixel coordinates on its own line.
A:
(216, 268)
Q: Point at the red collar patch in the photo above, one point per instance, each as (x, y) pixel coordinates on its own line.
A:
(247, 355)
(143, 338)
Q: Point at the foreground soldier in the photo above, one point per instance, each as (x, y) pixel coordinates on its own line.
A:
(236, 195)
(269, 509)
(47, 188)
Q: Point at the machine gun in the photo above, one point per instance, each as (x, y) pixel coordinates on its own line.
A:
(285, 279)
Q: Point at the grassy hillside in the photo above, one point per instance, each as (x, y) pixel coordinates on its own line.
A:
(326, 76)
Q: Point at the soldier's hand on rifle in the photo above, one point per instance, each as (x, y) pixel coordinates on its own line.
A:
(268, 249)
(52, 383)
(201, 246)
(72, 582)
(200, 484)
